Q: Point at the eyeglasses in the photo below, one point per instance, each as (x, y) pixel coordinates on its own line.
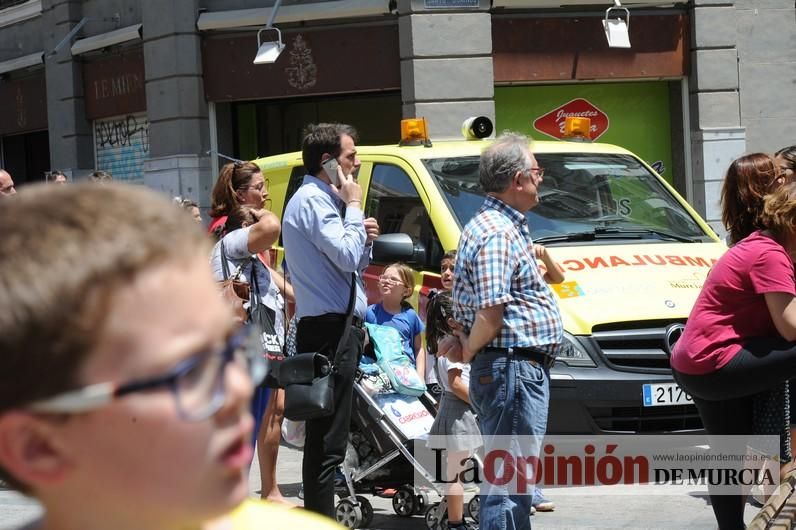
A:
(539, 171)
(390, 281)
(197, 383)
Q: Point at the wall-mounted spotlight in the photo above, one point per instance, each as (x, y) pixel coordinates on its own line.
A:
(268, 51)
(617, 30)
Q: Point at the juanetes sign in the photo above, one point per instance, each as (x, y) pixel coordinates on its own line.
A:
(552, 123)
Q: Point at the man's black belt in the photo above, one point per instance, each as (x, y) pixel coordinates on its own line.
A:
(336, 317)
(530, 354)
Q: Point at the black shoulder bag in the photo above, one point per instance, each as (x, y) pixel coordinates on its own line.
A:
(263, 317)
(308, 378)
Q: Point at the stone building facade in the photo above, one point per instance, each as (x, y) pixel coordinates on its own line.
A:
(152, 90)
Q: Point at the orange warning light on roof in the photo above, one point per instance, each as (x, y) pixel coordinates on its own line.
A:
(414, 131)
(577, 128)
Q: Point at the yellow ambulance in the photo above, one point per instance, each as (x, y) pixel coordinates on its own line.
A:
(634, 253)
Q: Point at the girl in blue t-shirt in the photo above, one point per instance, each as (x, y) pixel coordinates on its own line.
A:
(396, 284)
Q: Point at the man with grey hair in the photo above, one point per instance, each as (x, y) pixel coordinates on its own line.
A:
(6, 184)
(511, 329)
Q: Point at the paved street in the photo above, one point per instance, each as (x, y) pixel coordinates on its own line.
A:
(590, 510)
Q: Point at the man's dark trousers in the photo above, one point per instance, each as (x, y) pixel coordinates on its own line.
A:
(326, 438)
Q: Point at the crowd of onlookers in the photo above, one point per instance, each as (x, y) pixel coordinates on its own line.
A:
(56, 176)
(123, 378)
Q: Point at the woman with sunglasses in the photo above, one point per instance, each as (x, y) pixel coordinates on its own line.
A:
(242, 184)
(124, 381)
(246, 236)
(238, 184)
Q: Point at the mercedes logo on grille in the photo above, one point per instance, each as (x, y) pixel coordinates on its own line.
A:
(673, 334)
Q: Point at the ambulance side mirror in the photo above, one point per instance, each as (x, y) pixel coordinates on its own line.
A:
(389, 248)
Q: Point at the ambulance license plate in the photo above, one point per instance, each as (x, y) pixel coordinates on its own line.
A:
(663, 394)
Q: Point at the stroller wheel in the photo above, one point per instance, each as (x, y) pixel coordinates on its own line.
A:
(435, 519)
(367, 511)
(422, 502)
(347, 514)
(474, 508)
(404, 502)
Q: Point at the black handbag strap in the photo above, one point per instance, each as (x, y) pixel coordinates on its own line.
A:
(254, 296)
(286, 322)
(255, 283)
(349, 312)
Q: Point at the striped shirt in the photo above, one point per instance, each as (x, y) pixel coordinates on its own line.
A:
(495, 265)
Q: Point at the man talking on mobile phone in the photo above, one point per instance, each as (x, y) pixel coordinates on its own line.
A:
(326, 239)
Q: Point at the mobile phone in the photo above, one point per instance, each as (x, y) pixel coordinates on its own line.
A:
(330, 166)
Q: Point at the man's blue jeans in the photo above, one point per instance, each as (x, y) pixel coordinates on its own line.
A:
(511, 396)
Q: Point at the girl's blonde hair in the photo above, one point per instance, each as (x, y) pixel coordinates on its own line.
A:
(779, 212)
(407, 277)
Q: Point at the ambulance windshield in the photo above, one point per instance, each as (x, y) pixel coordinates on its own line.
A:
(600, 195)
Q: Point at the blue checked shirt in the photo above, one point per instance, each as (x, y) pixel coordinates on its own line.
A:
(495, 264)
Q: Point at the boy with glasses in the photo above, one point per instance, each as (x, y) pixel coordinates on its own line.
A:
(124, 383)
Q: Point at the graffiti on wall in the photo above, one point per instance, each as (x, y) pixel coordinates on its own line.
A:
(122, 146)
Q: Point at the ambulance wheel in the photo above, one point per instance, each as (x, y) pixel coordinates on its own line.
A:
(367, 511)
(474, 508)
(404, 502)
(422, 502)
(435, 520)
(347, 514)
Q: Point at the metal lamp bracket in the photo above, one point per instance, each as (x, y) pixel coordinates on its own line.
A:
(280, 44)
(619, 8)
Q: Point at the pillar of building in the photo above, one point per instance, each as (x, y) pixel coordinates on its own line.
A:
(71, 138)
(767, 69)
(446, 63)
(179, 133)
(715, 105)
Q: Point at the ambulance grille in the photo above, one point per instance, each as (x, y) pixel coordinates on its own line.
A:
(636, 345)
(677, 418)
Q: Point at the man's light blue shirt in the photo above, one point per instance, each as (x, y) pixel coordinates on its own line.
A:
(323, 249)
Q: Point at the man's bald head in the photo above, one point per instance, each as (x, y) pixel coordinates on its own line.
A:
(6, 184)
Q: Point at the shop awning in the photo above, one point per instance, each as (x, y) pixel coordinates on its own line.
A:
(26, 61)
(104, 40)
(242, 18)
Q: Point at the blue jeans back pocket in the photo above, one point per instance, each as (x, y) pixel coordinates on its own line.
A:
(487, 384)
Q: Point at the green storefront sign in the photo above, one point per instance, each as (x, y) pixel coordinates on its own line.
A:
(638, 114)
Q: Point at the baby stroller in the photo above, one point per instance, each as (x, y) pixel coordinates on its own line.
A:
(380, 446)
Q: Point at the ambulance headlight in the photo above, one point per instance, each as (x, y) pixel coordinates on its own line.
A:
(574, 354)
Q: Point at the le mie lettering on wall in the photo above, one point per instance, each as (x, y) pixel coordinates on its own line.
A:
(121, 85)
